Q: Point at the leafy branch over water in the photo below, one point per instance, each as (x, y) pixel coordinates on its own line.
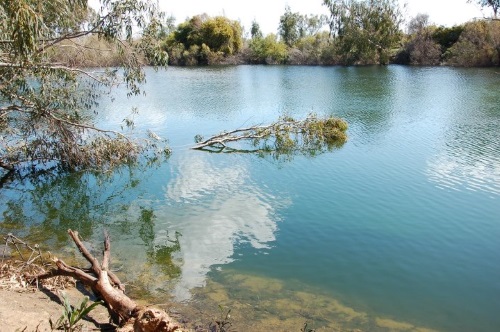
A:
(287, 136)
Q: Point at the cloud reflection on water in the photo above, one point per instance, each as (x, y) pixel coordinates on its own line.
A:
(221, 208)
(469, 159)
(449, 172)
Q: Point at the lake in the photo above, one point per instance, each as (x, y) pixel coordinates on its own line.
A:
(397, 230)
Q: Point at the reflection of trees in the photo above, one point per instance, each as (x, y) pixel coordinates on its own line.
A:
(370, 102)
(470, 155)
(46, 208)
(42, 210)
(159, 254)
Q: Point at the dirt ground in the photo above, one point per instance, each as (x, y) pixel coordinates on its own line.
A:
(30, 311)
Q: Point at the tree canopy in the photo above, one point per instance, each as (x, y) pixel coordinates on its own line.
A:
(365, 31)
(203, 39)
(47, 106)
(289, 28)
(294, 26)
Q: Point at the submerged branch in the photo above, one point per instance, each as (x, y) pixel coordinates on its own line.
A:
(285, 136)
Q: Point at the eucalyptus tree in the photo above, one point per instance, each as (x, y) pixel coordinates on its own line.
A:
(294, 26)
(47, 106)
(364, 31)
(289, 27)
(255, 31)
(312, 24)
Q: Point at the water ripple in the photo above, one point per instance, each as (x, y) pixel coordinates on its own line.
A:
(470, 160)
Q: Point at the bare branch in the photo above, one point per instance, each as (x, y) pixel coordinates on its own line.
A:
(85, 253)
(51, 66)
(84, 126)
(74, 35)
(105, 263)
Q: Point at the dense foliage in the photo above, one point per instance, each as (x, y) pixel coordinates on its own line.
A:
(364, 32)
(478, 45)
(46, 107)
(204, 40)
(357, 32)
(267, 50)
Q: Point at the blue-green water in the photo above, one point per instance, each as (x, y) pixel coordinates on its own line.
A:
(400, 225)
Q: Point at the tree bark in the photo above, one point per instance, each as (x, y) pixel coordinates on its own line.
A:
(106, 285)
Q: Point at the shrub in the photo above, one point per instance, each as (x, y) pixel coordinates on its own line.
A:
(478, 45)
(203, 40)
(423, 50)
(267, 51)
(446, 37)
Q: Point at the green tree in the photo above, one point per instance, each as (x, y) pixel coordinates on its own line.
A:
(311, 25)
(222, 35)
(255, 31)
(446, 37)
(365, 31)
(46, 107)
(337, 10)
(290, 27)
(494, 4)
(204, 40)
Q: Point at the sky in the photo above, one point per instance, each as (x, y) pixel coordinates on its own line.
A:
(267, 12)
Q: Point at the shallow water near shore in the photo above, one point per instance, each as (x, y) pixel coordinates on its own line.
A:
(397, 230)
(263, 304)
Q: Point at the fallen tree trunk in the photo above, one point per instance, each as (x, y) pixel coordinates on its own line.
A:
(106, 285)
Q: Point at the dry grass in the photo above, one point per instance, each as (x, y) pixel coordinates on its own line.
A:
(90, 51)
(19, 260)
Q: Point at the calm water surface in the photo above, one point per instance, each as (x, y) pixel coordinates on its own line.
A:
(397, 230)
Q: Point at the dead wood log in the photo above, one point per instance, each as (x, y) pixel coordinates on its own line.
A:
(107, 286)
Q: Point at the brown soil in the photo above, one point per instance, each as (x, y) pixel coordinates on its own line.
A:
(30, 310)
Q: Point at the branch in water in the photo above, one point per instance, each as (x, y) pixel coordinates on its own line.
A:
(285, 136)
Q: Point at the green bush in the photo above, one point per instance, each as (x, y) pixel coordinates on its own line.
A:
(446, 37)
(203, 40)
(267, 51)
(308, 50)
(478, 45)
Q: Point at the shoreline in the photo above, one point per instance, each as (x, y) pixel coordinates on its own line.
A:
(31, 309)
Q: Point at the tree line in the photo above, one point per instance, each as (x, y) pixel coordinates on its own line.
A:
(356, 32)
